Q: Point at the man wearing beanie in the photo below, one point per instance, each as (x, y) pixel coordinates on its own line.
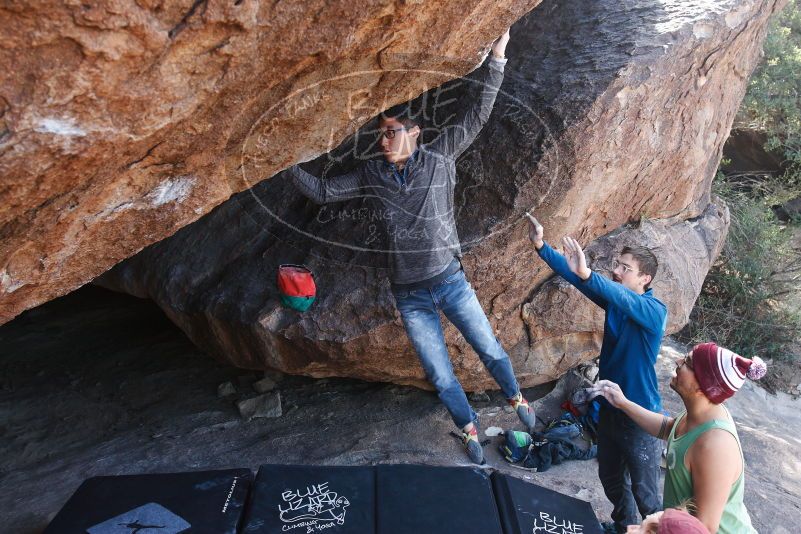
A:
(704, 460)
(634, 323)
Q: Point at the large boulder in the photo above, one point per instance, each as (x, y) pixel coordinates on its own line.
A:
(121, 122)
(610, 115)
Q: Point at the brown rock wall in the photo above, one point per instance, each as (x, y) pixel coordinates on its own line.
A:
(610, 122)
(121, 122)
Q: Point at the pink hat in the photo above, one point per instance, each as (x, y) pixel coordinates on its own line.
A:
(720, 372)
(675, 521)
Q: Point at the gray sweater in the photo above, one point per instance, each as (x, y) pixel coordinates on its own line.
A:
(418, 213)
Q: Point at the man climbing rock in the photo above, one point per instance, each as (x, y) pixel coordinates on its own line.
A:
(704, 456)
(415, 184)
(628, 457)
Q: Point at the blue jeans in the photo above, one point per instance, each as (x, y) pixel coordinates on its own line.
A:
(419, 310)
(628, 466)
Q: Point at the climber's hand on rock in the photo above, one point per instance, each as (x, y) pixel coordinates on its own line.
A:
(535, 231)
(499, 46)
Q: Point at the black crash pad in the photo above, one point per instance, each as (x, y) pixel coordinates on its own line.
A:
(204, 501)
(303, 498)
(527, 508)
(432, 500)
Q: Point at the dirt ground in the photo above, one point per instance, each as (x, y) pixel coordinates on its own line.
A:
(97, 383)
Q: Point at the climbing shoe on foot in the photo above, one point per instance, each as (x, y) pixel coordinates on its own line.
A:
(472, 445)
(524, 411)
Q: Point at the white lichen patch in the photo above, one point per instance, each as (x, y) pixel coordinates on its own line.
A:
(703, 30)
(66, 127)
(171, 190)
(738, 15)
(8, 284)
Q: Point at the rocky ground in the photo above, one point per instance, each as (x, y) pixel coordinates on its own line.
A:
(97, 383)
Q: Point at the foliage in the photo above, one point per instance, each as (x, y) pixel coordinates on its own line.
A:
(741, 305)
(773, 100)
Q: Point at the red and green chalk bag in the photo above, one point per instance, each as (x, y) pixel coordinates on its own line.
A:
(296, 286)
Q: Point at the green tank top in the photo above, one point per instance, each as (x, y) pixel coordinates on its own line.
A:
(679, 482)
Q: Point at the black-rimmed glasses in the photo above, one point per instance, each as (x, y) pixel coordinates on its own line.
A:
(389, 133)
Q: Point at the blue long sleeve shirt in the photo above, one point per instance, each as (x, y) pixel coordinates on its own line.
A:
(633, 329)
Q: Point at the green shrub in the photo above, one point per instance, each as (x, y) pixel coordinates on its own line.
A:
(741, 302)
(773, 100)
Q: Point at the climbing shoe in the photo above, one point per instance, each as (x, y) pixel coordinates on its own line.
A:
(524, 411)
(472, 445)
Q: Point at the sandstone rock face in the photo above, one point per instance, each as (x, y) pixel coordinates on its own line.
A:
(121, 122)
(608, 115)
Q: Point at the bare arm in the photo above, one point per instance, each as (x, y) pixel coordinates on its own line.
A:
(715, 464)
(656, 424)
